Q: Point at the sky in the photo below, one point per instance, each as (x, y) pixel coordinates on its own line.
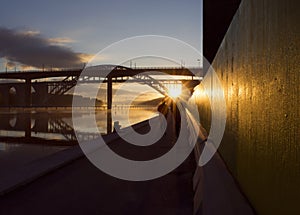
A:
(39, 33)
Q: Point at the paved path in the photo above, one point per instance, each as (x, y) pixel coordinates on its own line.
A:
(80, 188)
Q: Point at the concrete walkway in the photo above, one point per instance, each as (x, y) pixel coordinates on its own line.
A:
(75, 186)
(67, 183)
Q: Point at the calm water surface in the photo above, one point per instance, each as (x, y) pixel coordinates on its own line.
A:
(28, 136)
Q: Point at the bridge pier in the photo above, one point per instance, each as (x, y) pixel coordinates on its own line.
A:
(4, 95)
(109, 92)
(28, 98)
(108, 121)
(14, 94)
(41, 94)
(27, 125)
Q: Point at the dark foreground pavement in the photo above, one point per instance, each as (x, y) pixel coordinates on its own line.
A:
(81, 188)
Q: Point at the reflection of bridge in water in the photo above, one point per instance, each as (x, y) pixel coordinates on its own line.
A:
(43, 128)
(45, 87)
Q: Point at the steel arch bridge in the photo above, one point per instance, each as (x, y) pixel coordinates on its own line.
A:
(95, 74)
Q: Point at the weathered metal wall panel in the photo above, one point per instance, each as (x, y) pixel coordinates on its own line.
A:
(258, 64)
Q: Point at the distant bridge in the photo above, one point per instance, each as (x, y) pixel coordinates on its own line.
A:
(46, 87)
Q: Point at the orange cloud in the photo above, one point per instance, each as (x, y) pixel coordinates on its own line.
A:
(30, 33)
(60, 40)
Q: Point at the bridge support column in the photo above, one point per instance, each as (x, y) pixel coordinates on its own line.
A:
(28, 93)
(4, 95)
(109, 92)
(109, 121)
(40, 95)
(27, 125)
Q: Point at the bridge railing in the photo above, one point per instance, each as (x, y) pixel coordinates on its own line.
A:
(103, 67)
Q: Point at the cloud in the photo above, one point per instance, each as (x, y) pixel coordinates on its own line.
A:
(29, 48)
(30, 33)
(85, 57)
(10, 65)
(60, 40)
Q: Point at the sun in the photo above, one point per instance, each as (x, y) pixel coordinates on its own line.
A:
(174, 90)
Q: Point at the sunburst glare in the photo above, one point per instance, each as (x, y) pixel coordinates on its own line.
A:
(174, 90)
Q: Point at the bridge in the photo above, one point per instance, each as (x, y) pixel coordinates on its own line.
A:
(46, 85)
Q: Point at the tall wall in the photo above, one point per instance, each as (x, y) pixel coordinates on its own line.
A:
(258, 64)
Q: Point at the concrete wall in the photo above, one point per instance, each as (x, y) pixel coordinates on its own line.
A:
(258, 64)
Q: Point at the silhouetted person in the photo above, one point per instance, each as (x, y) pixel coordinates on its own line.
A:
(117, 126)
(163, 108)
(177, 117)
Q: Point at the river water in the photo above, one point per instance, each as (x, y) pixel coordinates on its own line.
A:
(32, 135)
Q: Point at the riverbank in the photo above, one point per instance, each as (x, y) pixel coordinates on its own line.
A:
(23, 175)
(73, 185)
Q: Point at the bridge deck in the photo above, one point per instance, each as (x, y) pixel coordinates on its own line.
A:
(96, 72)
